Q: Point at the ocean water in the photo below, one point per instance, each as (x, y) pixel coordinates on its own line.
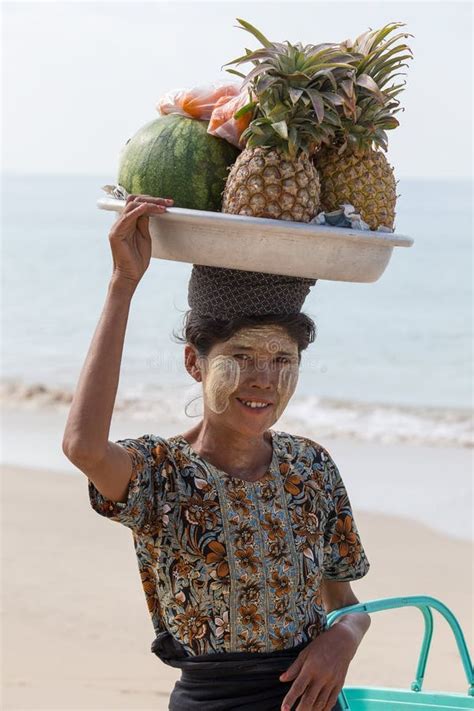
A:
(391, 362)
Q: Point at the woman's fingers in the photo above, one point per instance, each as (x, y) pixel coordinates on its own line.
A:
(310, 699)
(297, 689)
(140, 209)
(133, 201)
(124, 225)
(293, 670)
(317, 699)
(150, 199)
(331, 701)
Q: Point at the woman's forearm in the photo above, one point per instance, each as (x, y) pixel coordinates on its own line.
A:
(87, 429)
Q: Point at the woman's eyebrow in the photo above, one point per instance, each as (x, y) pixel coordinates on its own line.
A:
(248, 348)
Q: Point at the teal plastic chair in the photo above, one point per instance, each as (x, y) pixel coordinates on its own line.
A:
(359, 698)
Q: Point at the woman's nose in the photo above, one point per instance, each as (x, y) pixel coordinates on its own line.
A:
(261, 375)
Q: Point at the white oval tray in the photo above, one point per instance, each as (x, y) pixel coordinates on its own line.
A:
(216, 239)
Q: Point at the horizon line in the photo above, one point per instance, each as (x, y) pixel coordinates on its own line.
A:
(10, 174)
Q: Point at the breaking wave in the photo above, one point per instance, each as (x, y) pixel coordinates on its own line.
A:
(377, 422)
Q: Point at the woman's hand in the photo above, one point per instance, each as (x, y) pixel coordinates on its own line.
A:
(130, 239)
(319, 671)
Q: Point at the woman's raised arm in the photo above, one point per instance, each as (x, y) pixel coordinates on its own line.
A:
(85, 440)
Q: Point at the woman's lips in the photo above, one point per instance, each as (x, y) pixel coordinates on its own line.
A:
(254, 410)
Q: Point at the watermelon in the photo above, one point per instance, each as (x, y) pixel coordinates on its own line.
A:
(174, 156)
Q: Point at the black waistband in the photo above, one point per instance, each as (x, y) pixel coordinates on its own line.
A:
(246, 680)
(171, 652)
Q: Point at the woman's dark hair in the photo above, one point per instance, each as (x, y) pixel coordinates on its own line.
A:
(204, 332)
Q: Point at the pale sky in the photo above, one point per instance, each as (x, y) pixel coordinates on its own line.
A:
(80, 78)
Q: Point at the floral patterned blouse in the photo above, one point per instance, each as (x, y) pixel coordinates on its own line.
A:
(229, 565)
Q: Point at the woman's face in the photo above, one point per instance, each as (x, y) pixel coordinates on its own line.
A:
(259, 364)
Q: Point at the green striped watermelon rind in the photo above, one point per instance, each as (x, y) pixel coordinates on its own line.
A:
(174, 156)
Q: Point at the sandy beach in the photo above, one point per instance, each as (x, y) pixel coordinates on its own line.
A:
(76, 631)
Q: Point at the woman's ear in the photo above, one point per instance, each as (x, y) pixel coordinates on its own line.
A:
(192, 362)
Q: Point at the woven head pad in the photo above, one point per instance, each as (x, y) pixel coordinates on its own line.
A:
(227, 293)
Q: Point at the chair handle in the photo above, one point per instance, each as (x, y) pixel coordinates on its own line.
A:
(423, 603)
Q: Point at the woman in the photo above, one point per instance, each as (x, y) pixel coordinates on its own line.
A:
(244, 536)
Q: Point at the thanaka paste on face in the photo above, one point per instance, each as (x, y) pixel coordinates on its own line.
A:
(224, 372)
(222, 380)
(287, 382)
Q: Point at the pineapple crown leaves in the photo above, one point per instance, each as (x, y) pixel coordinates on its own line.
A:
(295, 90)
(377, 61)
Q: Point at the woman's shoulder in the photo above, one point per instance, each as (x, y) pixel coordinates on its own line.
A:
(304, 460)
(301, 446)
(172, 450)
(147, 446)
(165, 457)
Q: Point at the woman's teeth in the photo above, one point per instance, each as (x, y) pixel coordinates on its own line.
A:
(254, 405)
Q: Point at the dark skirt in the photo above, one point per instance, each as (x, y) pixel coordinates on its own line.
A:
(234, 681)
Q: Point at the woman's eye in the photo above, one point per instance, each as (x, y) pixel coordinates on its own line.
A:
(245, 356)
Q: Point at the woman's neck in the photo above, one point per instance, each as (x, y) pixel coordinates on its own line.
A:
(237, 454)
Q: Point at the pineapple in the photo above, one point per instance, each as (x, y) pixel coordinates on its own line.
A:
(353, 169)
(263, 182)
(294, 100)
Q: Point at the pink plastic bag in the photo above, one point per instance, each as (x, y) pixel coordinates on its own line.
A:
(198, 102)
(222, 122)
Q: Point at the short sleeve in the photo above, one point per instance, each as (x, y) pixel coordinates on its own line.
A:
(344, 555)
(141, 510)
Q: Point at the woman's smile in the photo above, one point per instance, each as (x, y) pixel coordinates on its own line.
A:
(257, 408)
